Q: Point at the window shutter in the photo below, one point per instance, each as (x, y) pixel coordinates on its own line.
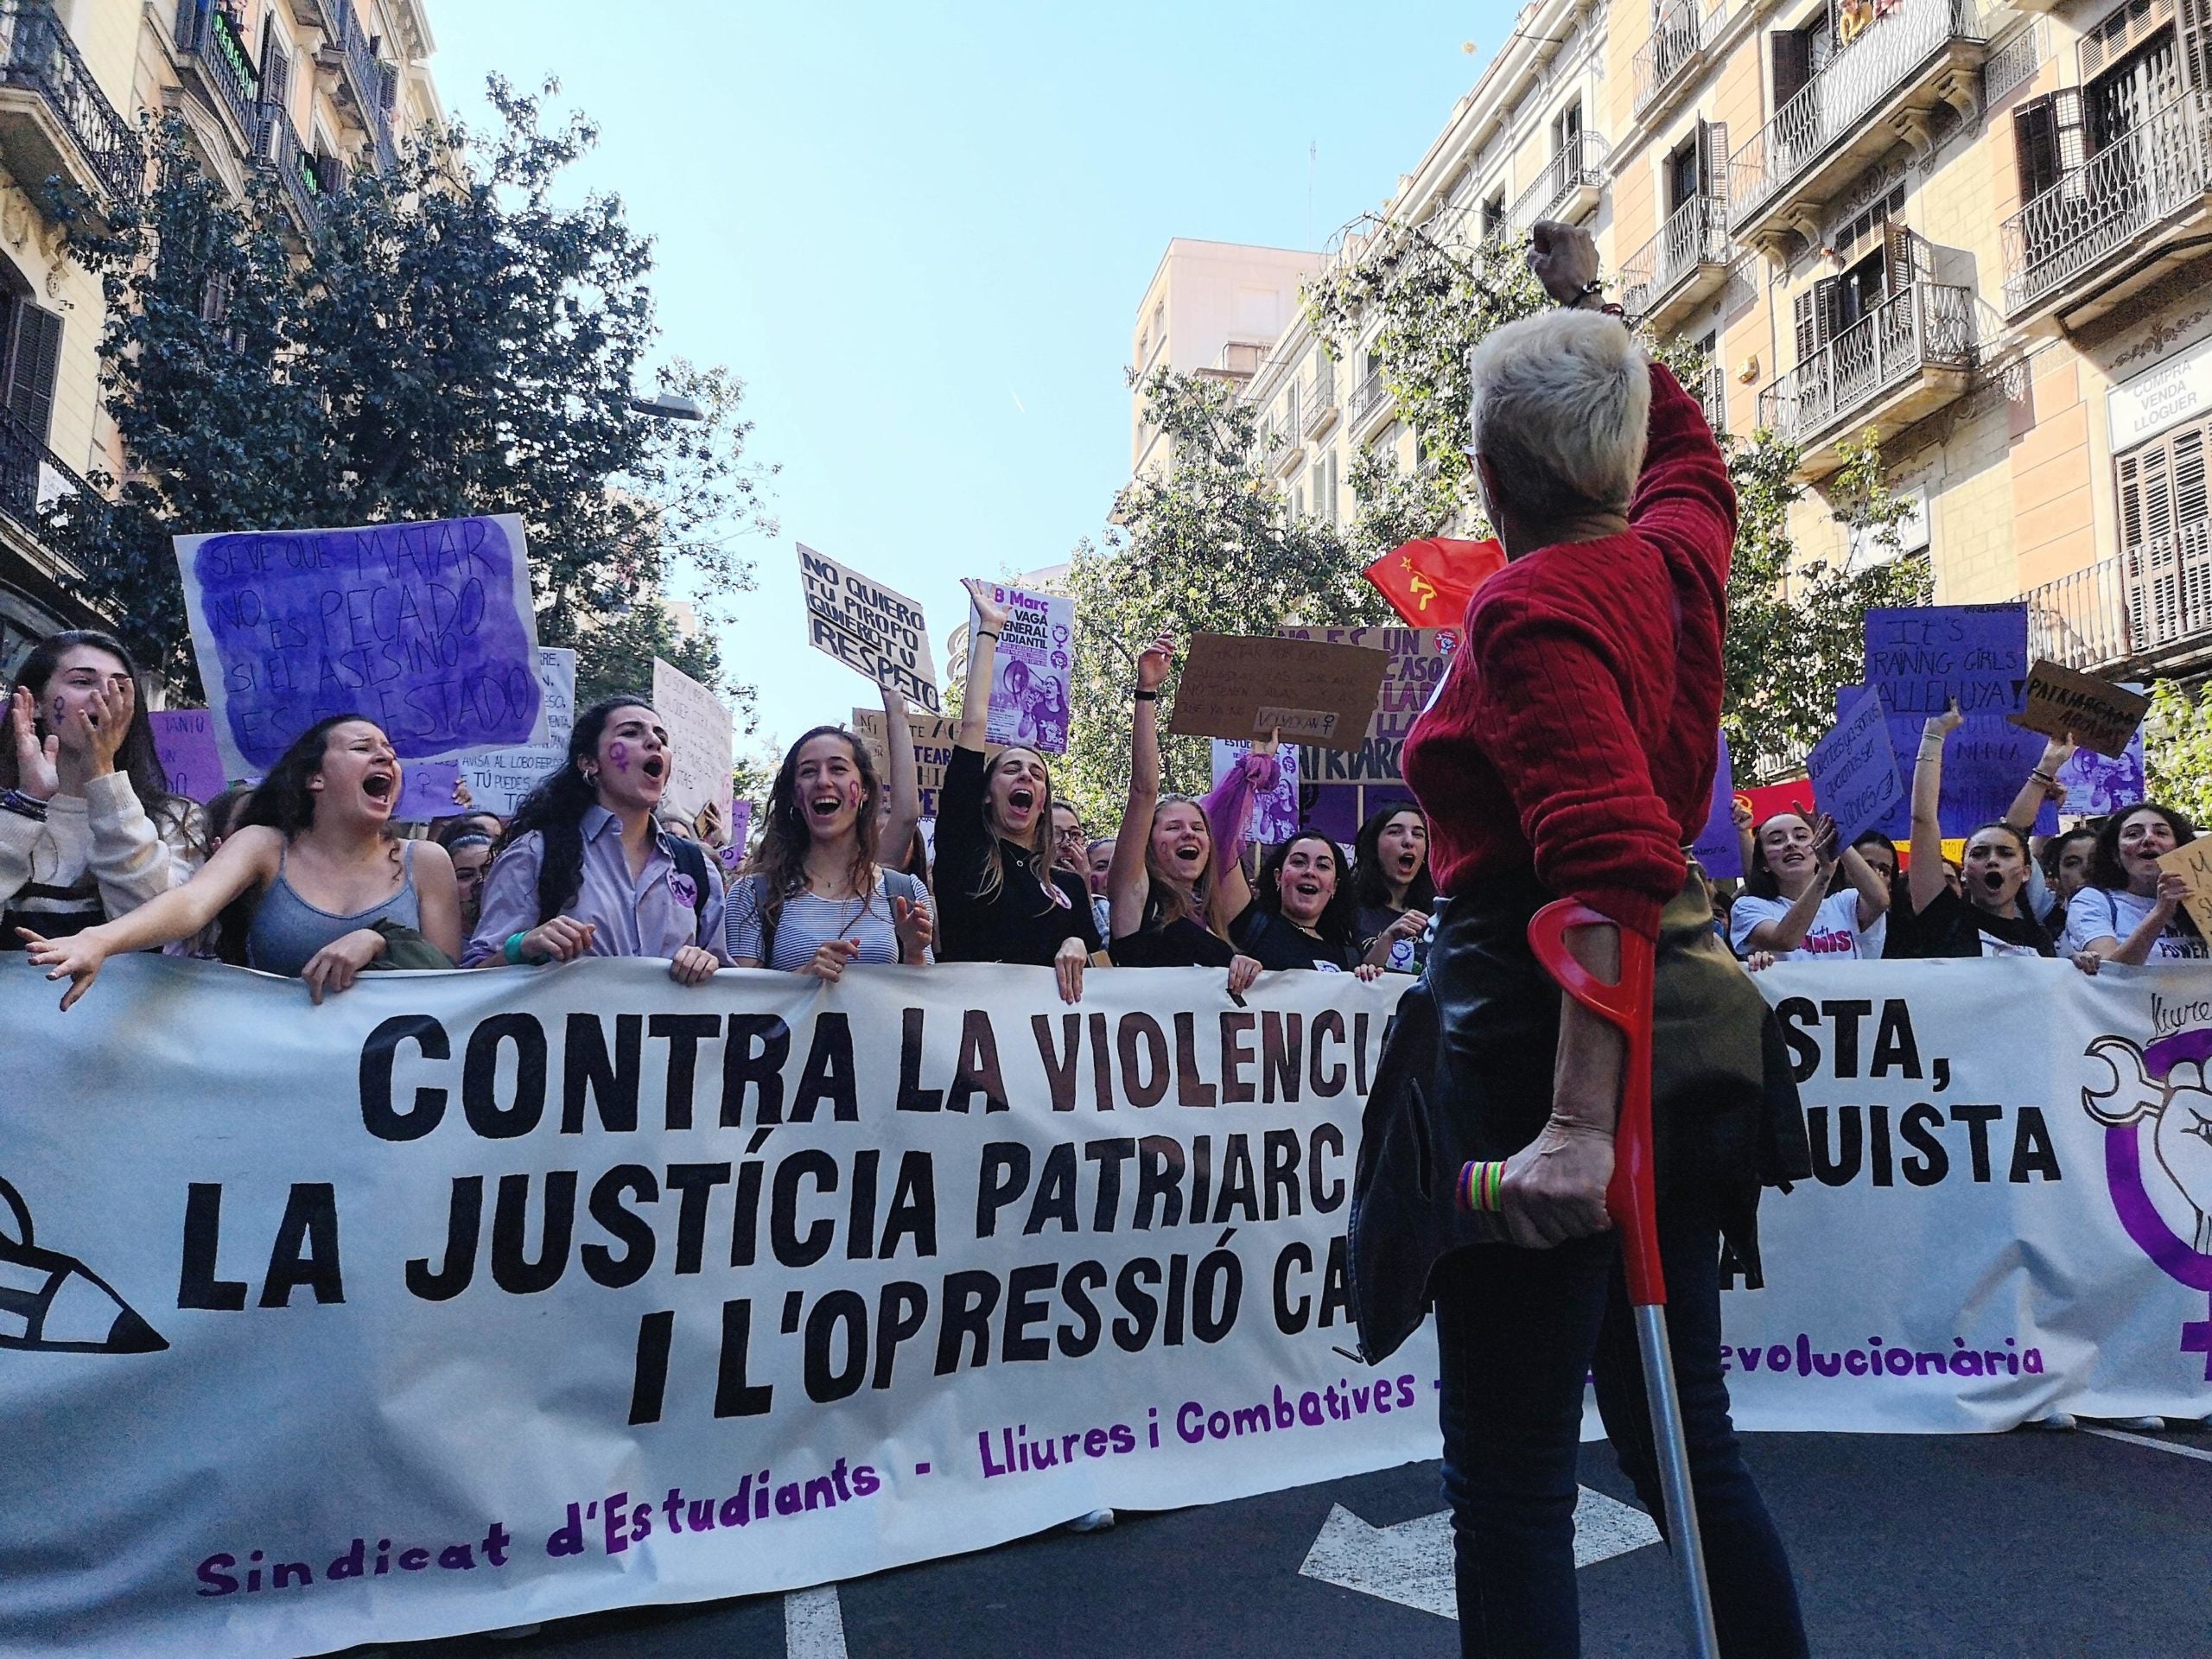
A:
(1801, 309)
(1714, 157)
(2195, 25)
(1898, 262)
(2068, 129)
(1793, 63)
(276, 66)
(2035, 146)
(1824, 302)
(1332, 487)
(33, 361)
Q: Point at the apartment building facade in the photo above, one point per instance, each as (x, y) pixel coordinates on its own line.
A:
(1982, 231)
(308, 88)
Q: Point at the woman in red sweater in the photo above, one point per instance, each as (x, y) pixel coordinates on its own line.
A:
(1570, 752)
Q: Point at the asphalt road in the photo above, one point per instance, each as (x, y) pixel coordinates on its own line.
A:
(2067, 1545)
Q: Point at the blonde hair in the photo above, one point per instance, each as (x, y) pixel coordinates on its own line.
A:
(1559, 407)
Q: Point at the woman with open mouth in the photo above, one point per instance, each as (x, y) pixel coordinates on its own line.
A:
(1175, 883)
(1302, 914)
(2131, 910)
(999, 898)
(584, 870)
(1392, 889)
(812, 900)
(1993, 916)
(311, 884)
(1786, 908)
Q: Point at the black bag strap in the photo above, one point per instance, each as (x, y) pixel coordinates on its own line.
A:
(691, 859)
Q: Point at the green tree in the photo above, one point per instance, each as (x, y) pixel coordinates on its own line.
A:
(2178, 748)
(450, 340)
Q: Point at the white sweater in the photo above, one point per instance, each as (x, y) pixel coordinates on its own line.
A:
(97, 855)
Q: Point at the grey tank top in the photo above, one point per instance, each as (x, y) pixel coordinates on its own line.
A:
(287, 931)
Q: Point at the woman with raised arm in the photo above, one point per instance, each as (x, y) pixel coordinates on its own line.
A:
(1993, 916)
(1786, 908)
(1391, 886)
(88, 829)
(2131, 910)
(586, 870)
(1175, 881)
(902, 790)
(1570, 754)
(812, 900)
(998, 897)
(311, 884)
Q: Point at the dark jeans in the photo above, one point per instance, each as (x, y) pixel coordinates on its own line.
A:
(1517, 1331)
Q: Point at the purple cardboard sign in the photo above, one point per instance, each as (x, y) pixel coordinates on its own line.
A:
(1984, 765)
(426, 629)
(184, 741)
(2099, 783)
(1854, 769)
(1718, 850)
(740, 819)
(1919, 658)
(426, 788)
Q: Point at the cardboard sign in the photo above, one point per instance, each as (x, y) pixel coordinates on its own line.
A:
(702, 740)
(1718, 851)
(933, 738)
(1247, 685)
(2193, 863)
(2100, 714)
(1853, 768)
(426, 791)
(1274, 815)
(426, 629)
(1920, 658)
(184, 741)
(1418, 658)
(1030, 669)
(498, 778)
(869, 628)
(740, 832)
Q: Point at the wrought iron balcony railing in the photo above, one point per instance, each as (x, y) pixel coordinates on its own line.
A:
(1678, 36)
(363, 74)
(2141, 609)
(1695, 233)
(2073, 229)
(32, 478)
(1368, 399)
(279, 146)
(1579, 165)
(1927, 326)
(210, 37)
(41, 57)
(1321, 400)
(1890, 56)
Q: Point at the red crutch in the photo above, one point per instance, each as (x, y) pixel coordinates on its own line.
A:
(1630, 1200)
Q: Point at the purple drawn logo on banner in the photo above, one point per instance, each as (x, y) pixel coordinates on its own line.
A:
(184, 738)
(425, 628)
(1718, 850)
(1854, 769)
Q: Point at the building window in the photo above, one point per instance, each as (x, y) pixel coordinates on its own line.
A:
(1836, 303)
(1567, 128)
(1329, 489)
(2124, 96)
(1682, 169)
(34, 359)
(1494, 216)
(2048, 140)
(2162, 507)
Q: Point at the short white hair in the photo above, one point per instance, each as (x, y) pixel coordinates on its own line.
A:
(1559, 405)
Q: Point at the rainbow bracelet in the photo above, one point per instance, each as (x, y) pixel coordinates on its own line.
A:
(1480, 1187)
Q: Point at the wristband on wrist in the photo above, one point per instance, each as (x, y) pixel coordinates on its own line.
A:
(26, 806)
(985, 633)
(1143, 696)
(512, 951)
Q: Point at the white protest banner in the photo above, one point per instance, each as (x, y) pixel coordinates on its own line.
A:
(1030, 668)
(498, 778)
(472, 1298)
(426, 629)
(702, 740)
(869, 628)
(1274, 815)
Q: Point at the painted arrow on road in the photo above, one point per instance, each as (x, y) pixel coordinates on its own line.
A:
(1411, 1562)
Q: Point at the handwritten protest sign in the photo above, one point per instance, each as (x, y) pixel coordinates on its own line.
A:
(426, 629)
(741, 832)
(184, 741)
(1854, 770)
(2193, 863)
(702, 740)
(426, 791)
(1312, 691)
(933, 737)
(1274, 815)
(868, 627)
(1340, 788)
(2100, 714)
(1030, 669)
(498, 778)
(1919, 658)
(1719, 853)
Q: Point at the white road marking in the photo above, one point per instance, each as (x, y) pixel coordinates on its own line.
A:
(1411, 1562)
(2156, 1445)
(814, 1624)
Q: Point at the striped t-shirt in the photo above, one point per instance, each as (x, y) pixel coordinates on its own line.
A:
(808, 921)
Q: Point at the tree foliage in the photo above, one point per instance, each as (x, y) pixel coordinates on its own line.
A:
(2178, 748)
(451, 341)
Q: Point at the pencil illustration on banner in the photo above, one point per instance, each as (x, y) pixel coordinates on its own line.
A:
(53, 1304)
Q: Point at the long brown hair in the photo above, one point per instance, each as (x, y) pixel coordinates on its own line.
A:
(136, 757)
(780, 858)
(992, 878)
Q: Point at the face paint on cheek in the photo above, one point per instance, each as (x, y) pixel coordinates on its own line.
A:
(619, 752)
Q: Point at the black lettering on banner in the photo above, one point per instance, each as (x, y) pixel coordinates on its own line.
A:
(697, 1182)
(586, 1069)
(1055, 1197)
(1236, 1055)
(1977, 1118)
(859, 1223)
(1917, 1130)
(1281, 1054)
(684, 1032)
(1102, 1064)
(1079, 1285)
(1327, 1194)
(1149, 1087)
(970, 1298)
(1190, 1088)
(761, 1068)
(513, 1270)
(649, 1376)
(1110, 1156)
(902, 1307)
(977, 1072)
(1238, 1189)
(1159, 1180)
(623, 1224)
(913, 1206)
(837, 1314)
(734, 1395)
(912, 1097)
(1279, 1155)
(792, 1249)
(1796, 1013)
(1894, 1047)
(379, 1055)
(305, 1253)
(1026, 1307)
(1058, 1062)
(1292, 1317)
(1002, 1177)
(1327, 1084)
(828, 1073)
(479, 1077)
(1141, 1309)
(2032, 1151)
(197, 1285)
(464, 1225)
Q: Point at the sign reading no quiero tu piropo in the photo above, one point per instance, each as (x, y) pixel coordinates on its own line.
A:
(425, 629)
(868, 627)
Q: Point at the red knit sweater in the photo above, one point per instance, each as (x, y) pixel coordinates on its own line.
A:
(1574, 735)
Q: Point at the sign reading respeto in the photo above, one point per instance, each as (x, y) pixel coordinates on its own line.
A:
(869, 628)
(426, 629)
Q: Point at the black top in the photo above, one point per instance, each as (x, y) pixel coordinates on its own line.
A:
(1276, 942)
(1179, 944)
(1406, 956)
(1026, 920)
(1949, 927)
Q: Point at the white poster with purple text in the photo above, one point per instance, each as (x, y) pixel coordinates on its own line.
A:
(1030, 671)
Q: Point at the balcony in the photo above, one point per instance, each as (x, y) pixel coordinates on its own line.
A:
(1677, 270)
(362, 77)
(1908, 357)
(55, 120)
(2112, 226)
(32, 480)
(298, 177)
(1370, 407)
(2147, 610)
(1567, 187)
(1320, 405)
(214, 51)
(1879, 91)
(1678, 41)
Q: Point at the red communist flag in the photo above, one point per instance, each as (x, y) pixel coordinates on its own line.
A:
(1429, 581)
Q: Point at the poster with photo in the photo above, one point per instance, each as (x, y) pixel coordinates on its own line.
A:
(1030, 672)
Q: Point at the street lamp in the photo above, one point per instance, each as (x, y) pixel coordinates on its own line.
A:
(669, 406)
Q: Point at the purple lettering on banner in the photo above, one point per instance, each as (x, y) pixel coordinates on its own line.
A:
(425, 628)
(426, 790)
(1920, 658)
(1854, 769)
(1718, 849)
(184, 739)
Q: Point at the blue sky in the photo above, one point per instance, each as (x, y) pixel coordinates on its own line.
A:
(920, 233)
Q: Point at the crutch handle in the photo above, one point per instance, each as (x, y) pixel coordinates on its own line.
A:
(1624, 1004)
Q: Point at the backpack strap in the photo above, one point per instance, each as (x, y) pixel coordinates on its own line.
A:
(693, 862)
